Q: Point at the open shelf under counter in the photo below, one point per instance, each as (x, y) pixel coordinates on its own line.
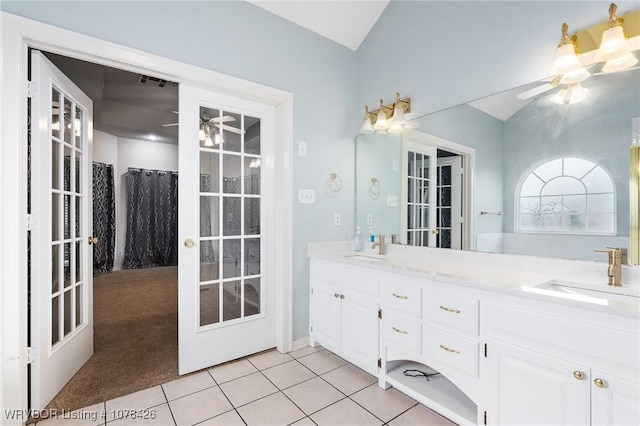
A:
(439, 393)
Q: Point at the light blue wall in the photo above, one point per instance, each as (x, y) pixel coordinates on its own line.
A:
(443, 54)
(245, 41)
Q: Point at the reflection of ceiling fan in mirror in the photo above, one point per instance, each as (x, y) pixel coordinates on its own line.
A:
(215, 122)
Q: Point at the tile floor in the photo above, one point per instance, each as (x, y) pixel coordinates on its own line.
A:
(311, 386)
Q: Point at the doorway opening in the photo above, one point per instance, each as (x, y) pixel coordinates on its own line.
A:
(135, 243)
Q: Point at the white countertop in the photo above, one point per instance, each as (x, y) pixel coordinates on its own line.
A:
(523, 276)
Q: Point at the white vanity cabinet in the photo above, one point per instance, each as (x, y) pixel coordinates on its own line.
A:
(344, 312)
(546, 368)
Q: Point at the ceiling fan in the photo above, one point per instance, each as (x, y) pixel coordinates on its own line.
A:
(215, 122)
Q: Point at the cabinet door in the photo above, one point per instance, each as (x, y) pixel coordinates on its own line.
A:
(533, 389)
(614, 401)
(325, 316)
(360, 332)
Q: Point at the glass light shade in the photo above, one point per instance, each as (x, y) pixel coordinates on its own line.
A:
(208, 141)
(622, 63)
(366, 126)
(575, 76)
(217, 139)
(558, 98)
(381, 132)
(577, 94)
(395, 128)
(613, 45)
(255, 163)
(398, 115)
(381, 121)
(566, 60)
(201, 135)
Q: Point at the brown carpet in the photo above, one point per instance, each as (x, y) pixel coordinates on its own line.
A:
(135, 337)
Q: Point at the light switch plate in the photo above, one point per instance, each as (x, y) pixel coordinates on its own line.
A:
(302, 149)
(306, 196)
(392, 201)
(395, 164)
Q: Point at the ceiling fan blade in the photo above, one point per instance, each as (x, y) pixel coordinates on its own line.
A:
(225, 119)
(169, 124)
(230, 129)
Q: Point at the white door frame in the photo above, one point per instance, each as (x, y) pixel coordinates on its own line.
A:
(469, 161)
(17, 35)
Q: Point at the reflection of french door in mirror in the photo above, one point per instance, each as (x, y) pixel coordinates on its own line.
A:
(418, 221)
(226, 300)
(449, 202)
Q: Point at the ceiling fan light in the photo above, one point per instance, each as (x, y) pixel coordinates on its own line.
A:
(381, 121)
(202, 135)
(217, 139)
(558, 97)
(577, 94)
(208, 141)
(366, 126)
(619, 64)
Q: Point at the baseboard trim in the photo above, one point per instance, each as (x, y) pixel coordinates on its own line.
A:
(300, 343)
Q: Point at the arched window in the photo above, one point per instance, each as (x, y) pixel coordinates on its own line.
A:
(566, 195)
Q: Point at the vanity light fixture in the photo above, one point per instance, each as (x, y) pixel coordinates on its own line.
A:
(387, 118)
(614, 50)
(566, 63)
(572, 94)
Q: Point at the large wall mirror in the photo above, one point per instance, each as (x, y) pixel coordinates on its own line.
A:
(546, 176)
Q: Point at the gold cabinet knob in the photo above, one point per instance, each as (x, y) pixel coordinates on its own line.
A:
(189, 243)
(600, 383)
(578, 375)
(93, 240)
(434, 231)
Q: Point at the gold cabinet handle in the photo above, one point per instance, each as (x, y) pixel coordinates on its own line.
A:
(455, 351)
(600, 383)
(189, 243)
(93, 240)
(400, 297)
(397, 330)
(455, 311)
(578, 375)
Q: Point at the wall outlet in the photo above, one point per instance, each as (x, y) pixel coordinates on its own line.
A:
(369, 219)
(306, 196)
(337, 219)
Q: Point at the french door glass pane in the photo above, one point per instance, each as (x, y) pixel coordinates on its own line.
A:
(78, 172)
(77, 128)
(68, 309)
(55, 320)
(55, 114)
(55, 268)
(79, 303)
(55, 216)
(67, 265)
(55, 164)
(66, 129)
(230, 204)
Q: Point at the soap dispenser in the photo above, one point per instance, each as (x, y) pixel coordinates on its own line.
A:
(372, 237)
(356, 240)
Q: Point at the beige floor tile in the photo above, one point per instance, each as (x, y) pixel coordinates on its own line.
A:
(307, 350)
(288, 374)
(186, 385)
(273, 410)
(421, 416)
(232, 370)
(247, 389)
(158, 415)
(345, 412)
(304, 422)
(93, 415)
(321, 362)
(230, 418)
(349, 379)
(313, 395)
(269, 359)
(199, 406)
(385, 404)
(147, 398)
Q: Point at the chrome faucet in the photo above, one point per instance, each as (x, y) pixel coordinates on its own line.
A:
(382, 249)
(617, 258)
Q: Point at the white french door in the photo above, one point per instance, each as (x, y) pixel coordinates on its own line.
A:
(449, 202)
(418, 212)
(226, 290)
(61, 225)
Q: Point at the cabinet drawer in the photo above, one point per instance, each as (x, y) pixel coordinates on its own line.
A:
(403, 297)
(352, 277)
(458, 312)
(397, 330)
(452, 350)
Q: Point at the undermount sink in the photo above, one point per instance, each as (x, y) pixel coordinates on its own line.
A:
(364, 258)
(605, 295)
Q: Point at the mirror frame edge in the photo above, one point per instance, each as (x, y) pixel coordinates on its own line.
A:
(634, 207)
